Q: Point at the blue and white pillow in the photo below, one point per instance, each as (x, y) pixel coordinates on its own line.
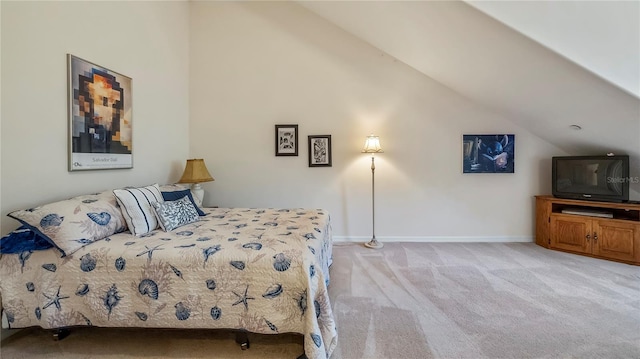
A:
(175, 192)
(174, 214)
(76, 222)
(23, 239)
(136, 207)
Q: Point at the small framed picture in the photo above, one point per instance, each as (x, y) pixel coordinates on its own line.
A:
(286, 140)
(320, 151)
(493, 153)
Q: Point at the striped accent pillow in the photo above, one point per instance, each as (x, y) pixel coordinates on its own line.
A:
(135, 204)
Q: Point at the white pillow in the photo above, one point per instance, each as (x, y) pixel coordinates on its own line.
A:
(174, 214)
(74, 223)
(136, 208)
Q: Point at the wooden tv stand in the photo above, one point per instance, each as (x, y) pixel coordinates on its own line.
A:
(587, 230)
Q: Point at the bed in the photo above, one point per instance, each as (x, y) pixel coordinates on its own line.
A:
(257, 270)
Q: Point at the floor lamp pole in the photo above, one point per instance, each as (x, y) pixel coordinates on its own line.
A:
(373, 243)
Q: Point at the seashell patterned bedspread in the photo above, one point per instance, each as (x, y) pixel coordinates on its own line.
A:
(262, 270)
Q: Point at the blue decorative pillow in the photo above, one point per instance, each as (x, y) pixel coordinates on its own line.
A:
(22, 240)
(178, 194)
(74, 223)
(174, 214)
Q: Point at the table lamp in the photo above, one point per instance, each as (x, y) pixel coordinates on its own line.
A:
(196, 172)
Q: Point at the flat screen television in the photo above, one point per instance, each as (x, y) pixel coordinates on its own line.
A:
(597, 178)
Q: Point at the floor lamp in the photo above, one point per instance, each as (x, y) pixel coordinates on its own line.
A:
(372, 145)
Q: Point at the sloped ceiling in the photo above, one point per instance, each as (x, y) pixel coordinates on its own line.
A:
(500, 68)
(601, 36)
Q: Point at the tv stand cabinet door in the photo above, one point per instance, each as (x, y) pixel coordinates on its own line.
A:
(571, 233)
(616, 240)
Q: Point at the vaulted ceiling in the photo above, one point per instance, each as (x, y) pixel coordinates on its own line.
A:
(533, 84)
(601, 36)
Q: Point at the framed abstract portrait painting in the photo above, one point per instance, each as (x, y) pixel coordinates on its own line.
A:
(100, 117)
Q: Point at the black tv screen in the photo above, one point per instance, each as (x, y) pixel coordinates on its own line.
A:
(600, 178)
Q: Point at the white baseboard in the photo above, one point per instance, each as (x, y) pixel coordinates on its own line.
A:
(438, 239)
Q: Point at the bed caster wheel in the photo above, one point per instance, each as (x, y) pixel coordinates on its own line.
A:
(243, 339)
(60, 334)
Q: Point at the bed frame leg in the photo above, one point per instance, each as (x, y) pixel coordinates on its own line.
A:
(60, 333)
(243, 339)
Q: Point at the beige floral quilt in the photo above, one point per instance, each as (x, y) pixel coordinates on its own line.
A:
(261, 270)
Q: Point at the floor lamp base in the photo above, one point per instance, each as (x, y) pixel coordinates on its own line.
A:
(373, 243)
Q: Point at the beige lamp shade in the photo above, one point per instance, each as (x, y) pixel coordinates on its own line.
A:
(372, 145)
(195, 172)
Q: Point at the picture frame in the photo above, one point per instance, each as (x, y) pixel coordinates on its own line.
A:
(100, 117)
(286, 140)
(492, 153)
(320, 151)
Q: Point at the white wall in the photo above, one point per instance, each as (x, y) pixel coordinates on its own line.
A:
(254, 65)
(147, 41)
(3, 332)
(497, 67)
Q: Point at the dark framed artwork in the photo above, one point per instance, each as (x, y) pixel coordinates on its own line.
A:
(320, 151)
(488, 153)
(286, 140)
(100, 117)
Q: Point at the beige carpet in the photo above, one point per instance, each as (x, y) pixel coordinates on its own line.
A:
(421, 300)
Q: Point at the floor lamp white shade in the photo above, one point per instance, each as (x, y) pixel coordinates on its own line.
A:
(372, 145)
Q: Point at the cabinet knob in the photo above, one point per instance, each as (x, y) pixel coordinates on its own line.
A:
(588, 236)
(595, 236)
